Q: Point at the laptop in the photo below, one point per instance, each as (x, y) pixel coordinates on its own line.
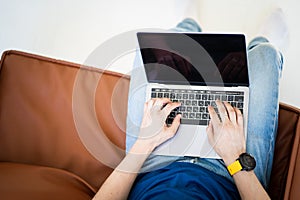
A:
(195, 69)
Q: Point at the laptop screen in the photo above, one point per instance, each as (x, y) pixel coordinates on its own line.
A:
(194, 58)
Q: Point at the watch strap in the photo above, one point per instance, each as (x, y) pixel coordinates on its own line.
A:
(234, 167)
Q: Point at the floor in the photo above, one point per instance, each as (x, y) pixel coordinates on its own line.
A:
(81, 32)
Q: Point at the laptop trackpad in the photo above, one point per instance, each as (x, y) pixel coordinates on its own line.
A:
(190, 140)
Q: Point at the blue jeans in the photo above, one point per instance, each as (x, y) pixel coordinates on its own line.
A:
(265, 66)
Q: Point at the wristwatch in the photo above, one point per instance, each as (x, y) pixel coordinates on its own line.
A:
(245, 162)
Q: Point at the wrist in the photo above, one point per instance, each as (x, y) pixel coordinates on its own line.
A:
(135, 158)
(142, 147)
(228, 160)
(245, 162)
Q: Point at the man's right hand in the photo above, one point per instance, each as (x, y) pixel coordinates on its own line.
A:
(226, 135)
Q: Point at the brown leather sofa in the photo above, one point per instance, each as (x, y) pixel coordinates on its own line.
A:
(42, 155)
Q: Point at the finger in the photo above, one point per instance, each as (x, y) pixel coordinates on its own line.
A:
(145, 106)
(175, 124)
(210, 133)
(222, 111)
(213, 115)
(159, 102)
(239, 117)
(231, 112)
(170, 106)
(148, 105)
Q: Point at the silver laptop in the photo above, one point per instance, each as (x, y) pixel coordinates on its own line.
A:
(195, 69)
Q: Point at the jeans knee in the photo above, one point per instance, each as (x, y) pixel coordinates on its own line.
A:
(187, 25)
(268, 55)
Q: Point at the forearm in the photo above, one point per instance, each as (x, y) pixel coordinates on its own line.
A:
(249, 186)
(119, 183)
(153, 132)
(228, 139)
(246, 181)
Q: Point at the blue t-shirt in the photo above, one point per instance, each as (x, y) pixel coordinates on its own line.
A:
(181, 180)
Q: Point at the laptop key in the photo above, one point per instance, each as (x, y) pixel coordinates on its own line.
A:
(188, 102)
(233, 104)
(169, 121)
(200, 103)
(182, 108)
(185, 115)
(202, 109)
(223, 98)
(178, 96)
(195, 109)
(172, 114)
(230, 98)
(153, 95)
(240, 105)
(213, 104)
(192, 115)
(239, 98)
(194, 103)
(204, 116)
(194, 121)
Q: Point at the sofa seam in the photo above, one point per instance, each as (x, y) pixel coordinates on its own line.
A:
(60, 62)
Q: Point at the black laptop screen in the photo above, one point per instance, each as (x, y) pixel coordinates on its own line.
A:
(194, 58)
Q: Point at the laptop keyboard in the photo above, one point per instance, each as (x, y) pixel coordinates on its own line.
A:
(194, 103)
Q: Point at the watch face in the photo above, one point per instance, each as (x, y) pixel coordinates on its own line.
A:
(247, 161)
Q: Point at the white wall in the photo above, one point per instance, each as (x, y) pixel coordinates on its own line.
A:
(72, 29)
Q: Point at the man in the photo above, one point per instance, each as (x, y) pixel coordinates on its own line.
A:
(199, 178)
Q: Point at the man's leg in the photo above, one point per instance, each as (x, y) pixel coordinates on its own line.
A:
(265, 71)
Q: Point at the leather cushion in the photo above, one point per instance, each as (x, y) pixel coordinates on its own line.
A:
(20, 181)
(37, 124)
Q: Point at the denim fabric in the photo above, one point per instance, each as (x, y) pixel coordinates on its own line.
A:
(187, 25)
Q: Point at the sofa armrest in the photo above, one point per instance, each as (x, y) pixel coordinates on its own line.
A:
(285, 174)
(293, 178)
